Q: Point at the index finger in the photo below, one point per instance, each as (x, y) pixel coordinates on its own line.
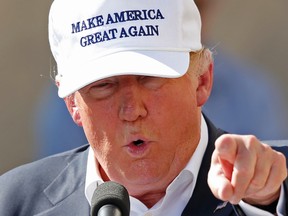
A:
(239, 153)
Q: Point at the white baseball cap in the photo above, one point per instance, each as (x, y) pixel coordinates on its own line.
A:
(95, 39)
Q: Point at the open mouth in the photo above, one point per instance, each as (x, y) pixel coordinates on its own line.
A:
(138, 142)
(138, 147)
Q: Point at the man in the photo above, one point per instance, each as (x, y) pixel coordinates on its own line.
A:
(134, 75)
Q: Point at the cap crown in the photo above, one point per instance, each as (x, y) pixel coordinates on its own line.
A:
(82, 31)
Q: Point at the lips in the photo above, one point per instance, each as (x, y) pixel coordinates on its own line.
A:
(138, 147)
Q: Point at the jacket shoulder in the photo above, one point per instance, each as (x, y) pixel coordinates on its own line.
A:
(23, 184)
(47, 167)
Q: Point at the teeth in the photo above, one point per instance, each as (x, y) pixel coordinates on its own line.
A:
(138, 142)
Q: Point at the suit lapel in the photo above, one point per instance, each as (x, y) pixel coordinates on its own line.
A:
(66, 192)
(203, 201)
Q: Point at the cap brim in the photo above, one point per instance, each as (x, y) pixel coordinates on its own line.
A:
(165, 64)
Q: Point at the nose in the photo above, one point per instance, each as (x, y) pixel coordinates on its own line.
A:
(132, 105)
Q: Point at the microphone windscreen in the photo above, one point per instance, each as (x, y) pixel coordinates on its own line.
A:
(110, 193)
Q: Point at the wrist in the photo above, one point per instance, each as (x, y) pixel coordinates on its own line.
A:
(264, 201)
(270, 208)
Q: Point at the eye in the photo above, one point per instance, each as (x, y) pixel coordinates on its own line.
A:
(102, 89)
(101, 85)
(152, 83)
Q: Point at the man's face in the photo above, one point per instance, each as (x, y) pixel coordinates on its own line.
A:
(143, 130)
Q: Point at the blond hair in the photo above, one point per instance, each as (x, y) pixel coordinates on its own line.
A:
(200, 61)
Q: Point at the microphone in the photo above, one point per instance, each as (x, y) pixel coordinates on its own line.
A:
(110, 199)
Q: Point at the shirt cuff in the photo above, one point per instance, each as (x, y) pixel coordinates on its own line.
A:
(250, 210)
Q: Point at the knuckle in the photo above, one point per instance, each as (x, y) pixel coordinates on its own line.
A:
(250, 142)
(244, 172)
(280, 161)
(266, 151)
(223, 141)
(281, 158)
(251, 139)
(257, 184)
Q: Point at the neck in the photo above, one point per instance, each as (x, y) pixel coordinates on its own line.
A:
(149, 200)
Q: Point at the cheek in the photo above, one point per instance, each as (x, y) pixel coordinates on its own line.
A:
(97, 121)
(177, 104)
(98, 127)
(174, 114)
(178, 114)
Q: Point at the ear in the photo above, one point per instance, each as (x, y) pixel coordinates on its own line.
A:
(205, 83)
(73, 109)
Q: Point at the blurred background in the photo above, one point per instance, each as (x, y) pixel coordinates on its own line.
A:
(255, 32)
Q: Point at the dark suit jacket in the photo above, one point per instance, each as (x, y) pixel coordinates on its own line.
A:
(55, 186)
